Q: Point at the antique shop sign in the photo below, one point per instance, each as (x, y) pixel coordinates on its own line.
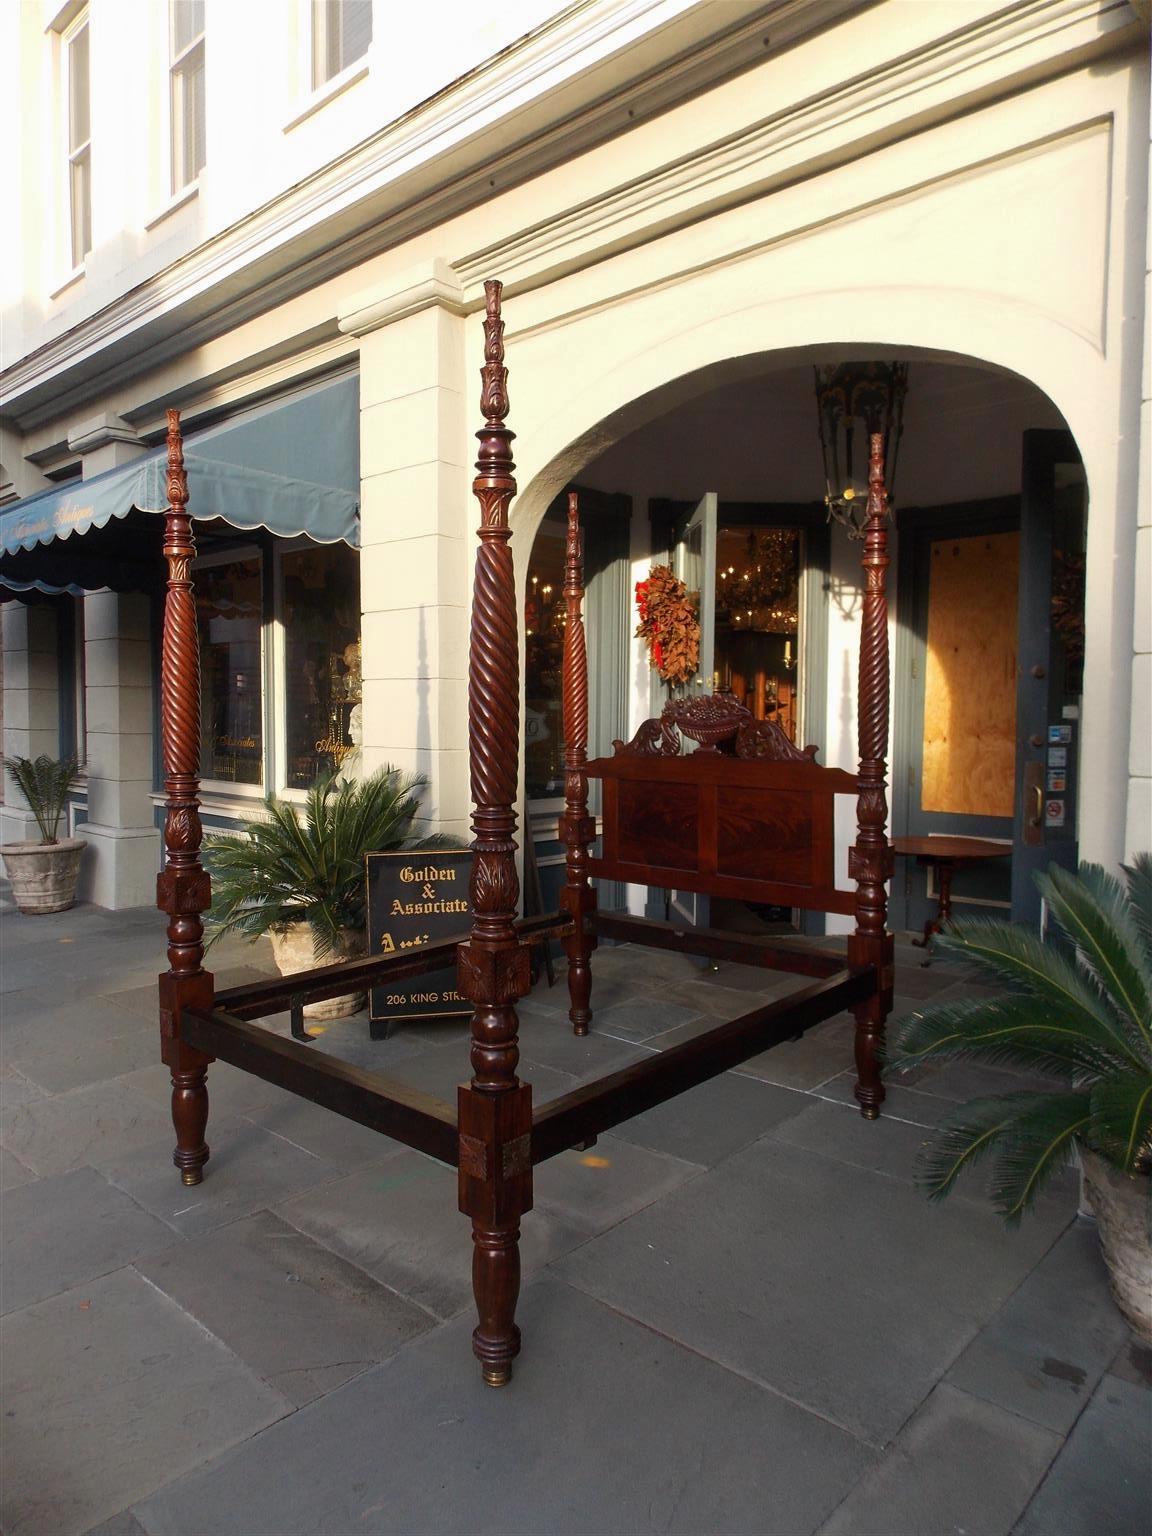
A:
(417, 898)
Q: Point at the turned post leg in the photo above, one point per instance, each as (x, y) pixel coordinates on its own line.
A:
(183, 889)
(495, 1108)
(577, 828)
(871, 860)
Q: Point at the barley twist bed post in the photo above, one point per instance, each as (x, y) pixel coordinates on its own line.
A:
(871, 861)
(495, 1109)
(182, 889)
(577, 828)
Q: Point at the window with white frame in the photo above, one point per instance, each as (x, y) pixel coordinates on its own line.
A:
(341, 33)
(74, 44)
(186, 88)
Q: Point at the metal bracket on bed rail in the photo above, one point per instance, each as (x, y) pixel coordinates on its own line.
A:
(296, 1010)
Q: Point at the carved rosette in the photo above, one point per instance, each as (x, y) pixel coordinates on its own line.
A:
(491, 973)
(182, 890)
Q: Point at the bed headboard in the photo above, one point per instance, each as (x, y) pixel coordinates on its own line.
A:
(747, 815)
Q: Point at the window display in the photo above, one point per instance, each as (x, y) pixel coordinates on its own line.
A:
(228, 610)
(322, 689)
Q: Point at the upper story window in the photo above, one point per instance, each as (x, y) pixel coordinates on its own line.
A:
(76, 76)
(341, 33)
(186, 75)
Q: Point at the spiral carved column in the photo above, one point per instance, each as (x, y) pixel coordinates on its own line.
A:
(870, 861)
(495, 1109)
(577, 828)
(182, 889)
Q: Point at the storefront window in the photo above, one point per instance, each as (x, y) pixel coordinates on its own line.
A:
(229, 607)
(321, 616)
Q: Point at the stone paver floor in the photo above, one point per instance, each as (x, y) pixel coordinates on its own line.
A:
(739, 1316)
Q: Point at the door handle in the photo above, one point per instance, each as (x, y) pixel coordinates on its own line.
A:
(1038, 819)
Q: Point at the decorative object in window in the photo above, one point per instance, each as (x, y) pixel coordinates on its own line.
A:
(186, 83)
(322, 686)
(668, 624)
(228, 612)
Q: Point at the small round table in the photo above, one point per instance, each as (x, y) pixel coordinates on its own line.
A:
(946, 854)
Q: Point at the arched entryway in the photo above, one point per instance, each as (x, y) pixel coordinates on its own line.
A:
(986, 593)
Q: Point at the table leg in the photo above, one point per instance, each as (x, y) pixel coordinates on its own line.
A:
(944, 871)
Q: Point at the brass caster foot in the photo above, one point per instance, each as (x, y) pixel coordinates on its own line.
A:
(870, 1111)
(579, 1029)
(497, 1375)
(192, 1176)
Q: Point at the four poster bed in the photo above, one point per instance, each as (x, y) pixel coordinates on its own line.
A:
(746, 815)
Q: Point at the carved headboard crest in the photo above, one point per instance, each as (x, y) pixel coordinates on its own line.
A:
(720, 723)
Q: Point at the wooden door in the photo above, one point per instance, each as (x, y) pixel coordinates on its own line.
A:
(959, 743)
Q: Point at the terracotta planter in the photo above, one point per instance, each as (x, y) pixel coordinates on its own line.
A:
(1122, 1205)
(293, 950)
(44, 875)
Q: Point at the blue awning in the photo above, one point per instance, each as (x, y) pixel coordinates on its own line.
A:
(292, 467)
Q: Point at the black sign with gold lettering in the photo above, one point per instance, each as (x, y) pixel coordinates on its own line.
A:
(416, 898)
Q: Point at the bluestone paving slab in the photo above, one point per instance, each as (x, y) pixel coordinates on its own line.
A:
(123, 1524)
(72, 1227)
(606, 1429)
(400, 1222)
(111, 1390)
(839, 1130)
(715, 1119)
(248, 1168)
(552, 1044)
(90, 1125)
(803, 1272)
(959, 1465)
(1133, 1362)
(341, 1142)
(25, 970)
(230, 1091)
(302, 1318)
(59, 1065)
(720, 1002)
(608, 1182)
(15, 1088)
(1044, 1351)
(1101, 1482)
(820, 1054)
(964, 1080)
(33, 1022)
(914, 1105)
(13, 1173)
(642, 1018)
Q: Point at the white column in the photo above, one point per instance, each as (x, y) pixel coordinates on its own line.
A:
(31, 718)
(1138, 825)
(414, 513)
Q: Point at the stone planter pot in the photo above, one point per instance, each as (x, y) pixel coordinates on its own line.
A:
(1122, 1205)
(293, 950)
(44, 875)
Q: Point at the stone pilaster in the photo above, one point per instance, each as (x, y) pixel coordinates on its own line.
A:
(415, 520)
(31, 704)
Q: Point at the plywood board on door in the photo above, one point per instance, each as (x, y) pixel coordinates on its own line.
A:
(969, 761)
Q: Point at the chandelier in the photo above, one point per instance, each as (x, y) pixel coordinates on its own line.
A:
(851, 395)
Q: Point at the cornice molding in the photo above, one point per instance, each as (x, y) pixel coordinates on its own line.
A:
(437, 161)
(433, 285)
(777, 150)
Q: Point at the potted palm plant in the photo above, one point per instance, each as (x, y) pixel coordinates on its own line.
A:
(301, 880)
(1084, 1018)
(44, 874)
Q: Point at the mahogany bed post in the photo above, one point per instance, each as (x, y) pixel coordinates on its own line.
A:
(183, 889)
(495, 1109)
(870, 862)
(577, 828)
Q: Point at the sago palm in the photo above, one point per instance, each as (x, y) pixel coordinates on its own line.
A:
(286, 869)
(1083, 1017)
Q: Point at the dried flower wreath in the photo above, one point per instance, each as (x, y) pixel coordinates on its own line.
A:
(669, 625)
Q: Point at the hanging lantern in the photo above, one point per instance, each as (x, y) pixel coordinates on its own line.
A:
(855, 400)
